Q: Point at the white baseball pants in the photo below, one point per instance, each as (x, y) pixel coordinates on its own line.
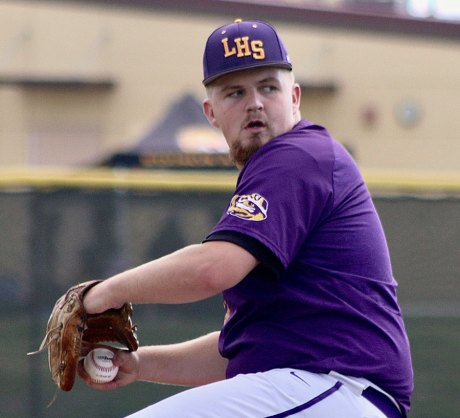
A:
(277, 393)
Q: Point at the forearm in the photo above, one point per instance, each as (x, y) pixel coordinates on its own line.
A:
(193, 273)
(169, 279)
(192, 363)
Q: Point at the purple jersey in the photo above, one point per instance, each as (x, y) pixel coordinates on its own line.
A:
(323, 297)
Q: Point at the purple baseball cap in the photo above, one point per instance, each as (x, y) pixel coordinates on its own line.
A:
(242, 45)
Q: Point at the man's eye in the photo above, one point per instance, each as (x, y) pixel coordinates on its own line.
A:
(235, 93)
(269, 89)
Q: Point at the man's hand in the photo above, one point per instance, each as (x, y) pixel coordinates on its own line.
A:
(128, 372)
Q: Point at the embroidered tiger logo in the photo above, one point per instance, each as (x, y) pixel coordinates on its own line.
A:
(251, 207)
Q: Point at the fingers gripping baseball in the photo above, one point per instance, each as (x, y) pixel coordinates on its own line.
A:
(99, 366)
(128, 370)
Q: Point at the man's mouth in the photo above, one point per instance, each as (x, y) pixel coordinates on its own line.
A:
(255, 124)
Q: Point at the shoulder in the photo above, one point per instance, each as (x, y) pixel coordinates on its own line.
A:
(307, 140)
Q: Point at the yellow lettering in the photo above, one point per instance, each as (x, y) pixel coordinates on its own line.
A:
(258, 51)
(242, 46)
(228, 51)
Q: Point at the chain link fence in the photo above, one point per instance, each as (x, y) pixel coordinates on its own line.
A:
(53, 237)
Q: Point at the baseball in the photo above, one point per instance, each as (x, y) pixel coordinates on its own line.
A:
(98, 364)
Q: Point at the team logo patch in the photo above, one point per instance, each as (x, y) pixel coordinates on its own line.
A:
(251, 207)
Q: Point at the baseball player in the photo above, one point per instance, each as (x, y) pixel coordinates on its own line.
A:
(312, 325)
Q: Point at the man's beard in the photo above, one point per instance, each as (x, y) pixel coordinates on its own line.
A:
(241, 152)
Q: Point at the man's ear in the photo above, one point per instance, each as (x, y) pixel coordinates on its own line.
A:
(296, 94)
(209, 113)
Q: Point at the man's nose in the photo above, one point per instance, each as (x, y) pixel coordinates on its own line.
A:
(254, 101)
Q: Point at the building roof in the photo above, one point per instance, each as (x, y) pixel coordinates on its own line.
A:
(352, 15)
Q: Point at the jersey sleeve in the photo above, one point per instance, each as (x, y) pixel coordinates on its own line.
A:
(281, 195)
(253, 246)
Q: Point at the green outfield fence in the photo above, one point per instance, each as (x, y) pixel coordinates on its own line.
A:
(59, 227)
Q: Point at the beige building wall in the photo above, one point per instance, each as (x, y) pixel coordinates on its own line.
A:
(395, 105)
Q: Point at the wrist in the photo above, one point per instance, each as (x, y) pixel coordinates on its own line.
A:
(143, 369)
(100, 298)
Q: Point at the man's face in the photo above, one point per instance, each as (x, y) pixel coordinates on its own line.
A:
(251, 107)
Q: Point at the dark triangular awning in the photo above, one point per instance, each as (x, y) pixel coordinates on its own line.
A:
(183, 137)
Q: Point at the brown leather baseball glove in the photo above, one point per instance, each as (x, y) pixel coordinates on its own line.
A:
(72, 333)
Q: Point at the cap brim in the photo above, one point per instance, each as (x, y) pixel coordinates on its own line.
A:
(283, 65)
